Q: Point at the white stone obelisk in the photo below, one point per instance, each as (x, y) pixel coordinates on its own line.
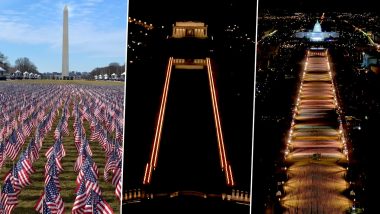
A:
(65, 44)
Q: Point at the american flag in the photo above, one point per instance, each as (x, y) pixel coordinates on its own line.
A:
(118, 190)
(53, 166)
(26, 127)
(39, 137)
(49, 121)
(51, 197)
(32, 150)
(90, 201)
(40, 115)
(109, 123)
(24, 169)
(89, 171)
(84, 151)
(57, 149)
(80, 199)
(111, 163)
(116, 179)
(20, 173)
(4, 130)
(78, 136)
(57, 131)
(43, 125)
(96, 204)
(117, 173)
(64, 127)
(2, 157)
(119, 132)
(14, 122)
(20, 136)
(95, 131)
(104, 142)
(2, 207)
(19, 117)
(86, 146)
(8, 196)
(34, 118)
(12, 146)
(42, 207)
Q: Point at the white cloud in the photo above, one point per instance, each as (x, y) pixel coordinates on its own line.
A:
(41, 23)
(16, 31)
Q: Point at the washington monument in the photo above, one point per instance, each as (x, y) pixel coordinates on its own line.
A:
(65, 44)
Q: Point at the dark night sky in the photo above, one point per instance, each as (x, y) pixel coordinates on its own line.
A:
(318, 5)
(241, 10)
(198, 10)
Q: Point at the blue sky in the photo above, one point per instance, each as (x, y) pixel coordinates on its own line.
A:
(33, 29)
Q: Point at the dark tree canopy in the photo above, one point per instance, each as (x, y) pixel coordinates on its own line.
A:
(114, 64)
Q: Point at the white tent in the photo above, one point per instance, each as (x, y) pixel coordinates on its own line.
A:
(105, 76)
(96, 77)
(100, 77)
(113, 76)
(26, 74)
(2, 69)
(31, 75)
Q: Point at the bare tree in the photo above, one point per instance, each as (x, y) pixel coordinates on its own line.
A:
(4, 63)
(110, 69)
(24, 64)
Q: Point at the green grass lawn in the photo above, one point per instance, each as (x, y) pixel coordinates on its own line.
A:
(30, 194)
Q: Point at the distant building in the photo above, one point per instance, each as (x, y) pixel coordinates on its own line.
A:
(189, 29)
(52, 75)
(189, 40)
(317, 35)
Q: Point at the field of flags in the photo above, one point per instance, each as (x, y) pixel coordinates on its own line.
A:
(60, 148)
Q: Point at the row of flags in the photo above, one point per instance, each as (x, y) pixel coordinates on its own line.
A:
(88, 193)
(112, 149)
(51, 201)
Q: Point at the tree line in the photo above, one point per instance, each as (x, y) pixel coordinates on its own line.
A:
(25, 64)
(113, 67)
(22, 64)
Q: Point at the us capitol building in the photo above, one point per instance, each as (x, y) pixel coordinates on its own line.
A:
(317, 35)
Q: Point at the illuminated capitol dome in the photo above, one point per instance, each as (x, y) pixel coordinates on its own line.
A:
(317, 35)
(317, 27)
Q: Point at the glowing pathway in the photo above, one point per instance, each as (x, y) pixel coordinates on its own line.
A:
(152, 164)
(316, 145)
